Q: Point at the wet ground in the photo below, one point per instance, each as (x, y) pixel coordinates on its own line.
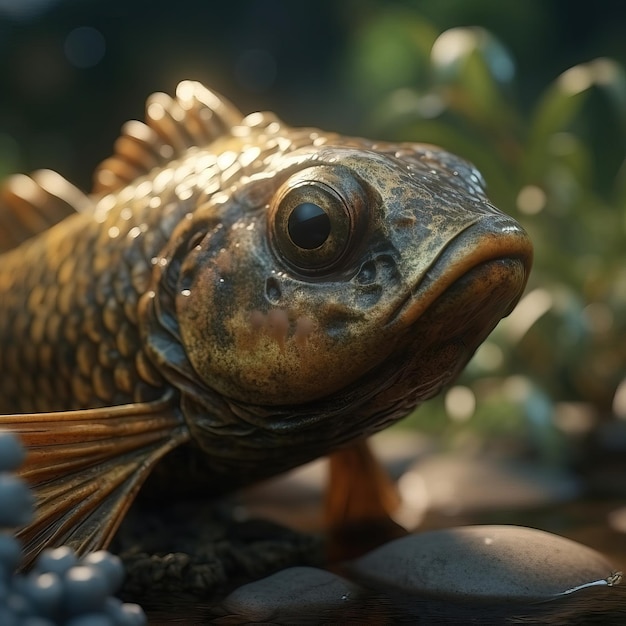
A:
(439, 490)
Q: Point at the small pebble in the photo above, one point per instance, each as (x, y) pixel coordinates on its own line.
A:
(10, 554)
(16, 501)
(45, 591)
(485, 562)
(7, 617)
(12, 453)
(124, 613)
(109, 564)
(85, 589)
(57, 560)
(90, 619)
(36, 620)
(17, 603)
(133, 615)
(292, 592)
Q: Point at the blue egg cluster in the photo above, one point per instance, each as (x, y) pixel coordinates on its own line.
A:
(61, 588)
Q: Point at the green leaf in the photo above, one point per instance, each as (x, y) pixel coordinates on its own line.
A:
(563, 102)
(390, 49)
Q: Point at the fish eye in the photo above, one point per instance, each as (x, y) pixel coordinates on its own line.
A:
(313, 220)
(309, 226)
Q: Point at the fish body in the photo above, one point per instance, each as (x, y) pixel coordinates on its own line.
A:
(268, 294)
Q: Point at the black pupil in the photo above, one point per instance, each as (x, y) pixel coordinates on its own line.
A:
(309, 226)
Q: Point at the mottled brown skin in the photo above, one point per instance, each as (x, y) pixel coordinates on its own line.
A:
(182, 286)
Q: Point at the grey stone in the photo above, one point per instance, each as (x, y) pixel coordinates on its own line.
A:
(485, 562)
(291, 593)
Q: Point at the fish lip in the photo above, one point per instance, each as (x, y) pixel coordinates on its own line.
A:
(499, 240)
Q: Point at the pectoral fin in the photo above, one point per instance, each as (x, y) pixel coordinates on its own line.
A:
(360, 500)
(87, 466)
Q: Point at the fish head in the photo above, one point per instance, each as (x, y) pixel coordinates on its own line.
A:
(354, 281)
(312, 278)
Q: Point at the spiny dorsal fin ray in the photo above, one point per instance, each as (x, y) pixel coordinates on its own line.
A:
(86, 467)
(31, 204)
(196, 116)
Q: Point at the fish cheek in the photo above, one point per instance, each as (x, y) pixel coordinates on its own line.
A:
(202, 309)
(256, 338)
(248, 351)
(244, 348)
(281, 356)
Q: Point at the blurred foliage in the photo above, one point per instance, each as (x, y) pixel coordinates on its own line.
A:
(562, 354)
(516, 87)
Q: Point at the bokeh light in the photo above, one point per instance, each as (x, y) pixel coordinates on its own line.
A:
(84, 47)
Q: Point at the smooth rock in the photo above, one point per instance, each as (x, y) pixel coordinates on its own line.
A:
(291, 593)
(485, 562)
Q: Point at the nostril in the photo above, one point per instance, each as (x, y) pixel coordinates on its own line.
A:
(273, 291)
(387, 268)
(367, 273)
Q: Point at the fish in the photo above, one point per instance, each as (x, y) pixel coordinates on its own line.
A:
(234, 297)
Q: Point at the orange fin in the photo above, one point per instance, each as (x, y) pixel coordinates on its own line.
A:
(31, 204)
(360, 501)
(86, 467)
(359, 487)
(195, 117)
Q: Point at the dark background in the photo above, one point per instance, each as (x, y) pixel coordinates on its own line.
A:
(290, 57)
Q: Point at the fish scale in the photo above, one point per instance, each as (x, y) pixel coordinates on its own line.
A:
(84, 345)
(64, 322)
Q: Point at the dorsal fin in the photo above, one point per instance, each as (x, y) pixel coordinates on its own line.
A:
(196, 116)
(32, 204)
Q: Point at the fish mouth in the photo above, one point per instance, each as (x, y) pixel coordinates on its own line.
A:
(459, 302)
(480, 275)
